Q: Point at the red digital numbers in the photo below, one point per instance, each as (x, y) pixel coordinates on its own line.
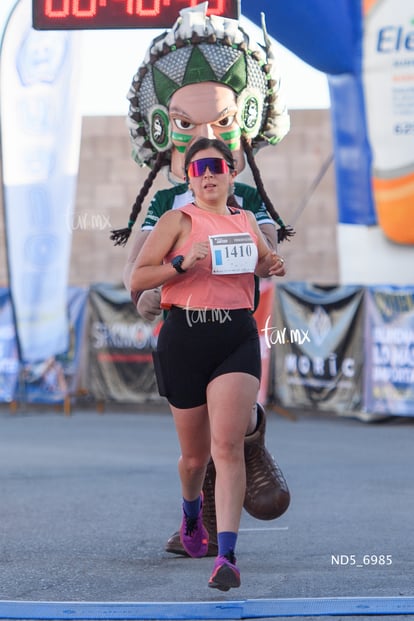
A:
(63, 8)
(89, 14)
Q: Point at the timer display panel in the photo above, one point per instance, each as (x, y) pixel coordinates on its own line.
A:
(105, 14)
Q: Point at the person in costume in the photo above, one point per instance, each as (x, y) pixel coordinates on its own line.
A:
(204, 78)
(208, 364)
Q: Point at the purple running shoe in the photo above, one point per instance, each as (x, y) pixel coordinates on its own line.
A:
(194, 535)
(225, 574)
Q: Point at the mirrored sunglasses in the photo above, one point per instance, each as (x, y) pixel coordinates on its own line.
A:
(216, 165)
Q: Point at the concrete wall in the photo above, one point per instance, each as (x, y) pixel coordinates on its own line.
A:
(109, 181)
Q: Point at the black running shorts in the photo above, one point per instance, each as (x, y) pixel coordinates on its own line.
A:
(195, 346)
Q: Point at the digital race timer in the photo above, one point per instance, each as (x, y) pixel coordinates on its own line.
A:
(88, 14)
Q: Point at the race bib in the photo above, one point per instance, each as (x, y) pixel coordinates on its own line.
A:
(233, 253)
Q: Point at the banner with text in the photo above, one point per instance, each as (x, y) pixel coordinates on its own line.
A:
(316, 337)
(120, 348)
(389, 339)
(46, 381)
(40, 133)
(53, 379)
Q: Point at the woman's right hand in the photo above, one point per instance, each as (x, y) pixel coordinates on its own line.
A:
(198, 251)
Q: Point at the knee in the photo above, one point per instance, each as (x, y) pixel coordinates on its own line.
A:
(194, 464)
(227, 450)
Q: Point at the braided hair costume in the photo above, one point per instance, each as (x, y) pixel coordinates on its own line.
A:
(201, 48)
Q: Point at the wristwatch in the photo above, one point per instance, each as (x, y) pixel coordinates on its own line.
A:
(177, 262)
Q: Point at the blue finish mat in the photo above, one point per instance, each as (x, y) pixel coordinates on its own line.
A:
(248, 609)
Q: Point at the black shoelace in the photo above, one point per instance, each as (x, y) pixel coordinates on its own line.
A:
(230, 557)
(190, 525)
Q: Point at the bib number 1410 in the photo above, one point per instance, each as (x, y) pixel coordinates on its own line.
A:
(233, 254)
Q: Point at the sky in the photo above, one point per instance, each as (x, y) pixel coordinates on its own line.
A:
(110, 58)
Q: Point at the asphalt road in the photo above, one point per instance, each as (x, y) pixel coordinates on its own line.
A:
(88, 501)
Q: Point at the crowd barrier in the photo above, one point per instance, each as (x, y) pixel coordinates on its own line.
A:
(347, 350)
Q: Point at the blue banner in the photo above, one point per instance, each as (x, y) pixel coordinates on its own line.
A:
(40, 129)
(57, 377)
(9, 360)
(319, 32)
(389, 345)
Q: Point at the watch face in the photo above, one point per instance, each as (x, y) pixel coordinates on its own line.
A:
(176, 263)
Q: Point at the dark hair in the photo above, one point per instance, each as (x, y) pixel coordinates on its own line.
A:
(206, 143)
(121, 236)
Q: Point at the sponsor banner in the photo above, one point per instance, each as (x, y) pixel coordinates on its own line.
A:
(120, 366)
(389, 342)
(353, 159)
(57, 377)
(49, 380)
(71, 359)
(317, 342)
(40, 130)
(388, 81)
(9, 359)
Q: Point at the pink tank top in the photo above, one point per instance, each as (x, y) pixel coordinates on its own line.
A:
(225, 278)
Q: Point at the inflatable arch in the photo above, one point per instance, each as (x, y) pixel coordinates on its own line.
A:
(366, 48)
